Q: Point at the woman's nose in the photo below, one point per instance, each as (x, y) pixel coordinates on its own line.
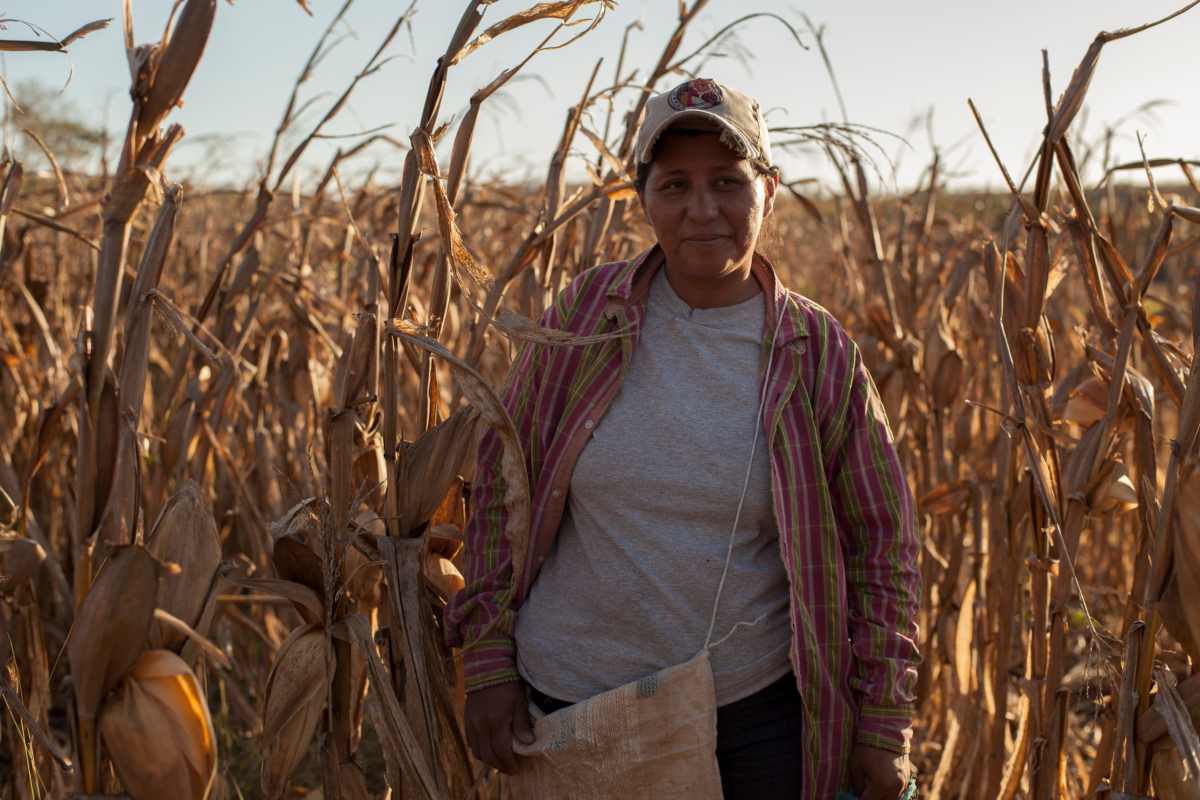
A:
(702, 205)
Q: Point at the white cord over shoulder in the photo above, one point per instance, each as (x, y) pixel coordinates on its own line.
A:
(762, 402)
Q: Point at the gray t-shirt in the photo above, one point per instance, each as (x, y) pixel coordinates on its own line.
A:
(628, 587)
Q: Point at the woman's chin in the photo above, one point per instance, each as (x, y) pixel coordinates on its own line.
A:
(710, 266)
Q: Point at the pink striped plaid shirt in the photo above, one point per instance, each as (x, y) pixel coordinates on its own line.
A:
(843, 508)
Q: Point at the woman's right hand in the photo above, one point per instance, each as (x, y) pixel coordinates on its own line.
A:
(494, 716)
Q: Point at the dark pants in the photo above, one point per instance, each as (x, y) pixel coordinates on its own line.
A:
(759, 741)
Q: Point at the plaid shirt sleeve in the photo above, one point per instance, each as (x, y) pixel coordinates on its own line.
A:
(874, 510)
(480, 618)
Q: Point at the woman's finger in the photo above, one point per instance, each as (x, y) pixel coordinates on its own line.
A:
(858, 783)
(522, 727)
(501, 747)
(882, 787)
(483, 750)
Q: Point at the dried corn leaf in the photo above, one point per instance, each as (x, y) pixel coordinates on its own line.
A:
(1155, 257)
(295, 702)
(562, 10)
(614, 163)
(11, 188)
(1151, 725)
(523, 329)
(1175, 620)
(37, 45)
(1014, 766)
(1171, 778)
(157, 730)
(395, 732)
(964, 632)
(357, 363)
(305, 600)
(1115, 268)
(1072, 99)
(1174, 713)
(461, 260)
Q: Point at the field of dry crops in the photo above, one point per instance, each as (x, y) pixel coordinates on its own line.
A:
(237, 430)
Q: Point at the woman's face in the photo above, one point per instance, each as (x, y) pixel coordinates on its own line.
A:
(706, 205)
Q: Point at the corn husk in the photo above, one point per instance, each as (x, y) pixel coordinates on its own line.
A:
(157, 730)
(452, 510)
(20, 560)
(1087, 402)
(296, 561)
(1114, 490)
(109, 632)
(443, 575)
(429, 466)
(1170, 776)
(946, 498)
(943, 363)
(517, 491)
(172, 66)
(1175, 764)
(186, 535)
(300, 521)
(295, 700)
(1186, 543)
(445, 540)
(111, 625)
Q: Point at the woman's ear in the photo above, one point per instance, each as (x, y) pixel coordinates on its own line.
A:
(772, 184)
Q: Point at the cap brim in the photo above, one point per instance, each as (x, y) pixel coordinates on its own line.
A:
(722, 124)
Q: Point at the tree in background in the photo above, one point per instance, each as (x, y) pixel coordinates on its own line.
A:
(75, 141)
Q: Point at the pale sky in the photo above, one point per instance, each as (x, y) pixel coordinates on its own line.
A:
(894, 62)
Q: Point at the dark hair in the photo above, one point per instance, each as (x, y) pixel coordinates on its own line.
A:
(642, 177)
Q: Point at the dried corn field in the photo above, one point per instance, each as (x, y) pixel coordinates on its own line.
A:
(238, 429)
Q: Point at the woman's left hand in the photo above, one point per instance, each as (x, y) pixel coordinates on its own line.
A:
(878, 774)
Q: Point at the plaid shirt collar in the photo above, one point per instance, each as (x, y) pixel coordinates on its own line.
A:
(633, 283)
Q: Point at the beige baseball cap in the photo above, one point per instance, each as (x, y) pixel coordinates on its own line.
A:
(705, 104)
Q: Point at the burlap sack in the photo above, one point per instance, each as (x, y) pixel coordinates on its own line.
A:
(656, 737)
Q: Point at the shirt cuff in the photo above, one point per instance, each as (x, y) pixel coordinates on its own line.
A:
(490, 662)
(498, 678)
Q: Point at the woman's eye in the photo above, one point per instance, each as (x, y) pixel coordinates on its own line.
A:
(728, 183)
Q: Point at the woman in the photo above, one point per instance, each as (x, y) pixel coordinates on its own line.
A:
(637, 448)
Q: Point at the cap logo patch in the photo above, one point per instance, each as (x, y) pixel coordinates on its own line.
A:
(701, 93)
